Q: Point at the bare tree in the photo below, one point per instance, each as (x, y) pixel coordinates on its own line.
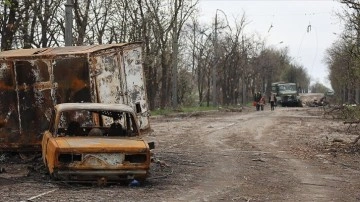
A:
(231, 63)
(81, 10)
(28, 26)
(343, 69)
(102, 14)
(46, 12)
(350, 48)
(9, 23)
(182, 11)
(199, 48)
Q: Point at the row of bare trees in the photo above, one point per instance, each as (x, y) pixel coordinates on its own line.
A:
(185, 62)
(343, 58)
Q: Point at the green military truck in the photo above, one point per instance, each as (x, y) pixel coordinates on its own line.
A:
(287, 94)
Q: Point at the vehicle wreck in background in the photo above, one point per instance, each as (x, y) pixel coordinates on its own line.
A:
(287, 94)
(33, 81)
(95, 142)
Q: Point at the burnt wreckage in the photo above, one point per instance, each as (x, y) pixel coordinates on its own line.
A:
(33, 81)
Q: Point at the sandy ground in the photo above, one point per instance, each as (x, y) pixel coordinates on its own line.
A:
(290, 154)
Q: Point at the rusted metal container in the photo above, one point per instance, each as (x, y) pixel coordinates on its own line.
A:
(32, 81)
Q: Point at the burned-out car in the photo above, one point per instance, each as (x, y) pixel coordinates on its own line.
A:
(95, 142)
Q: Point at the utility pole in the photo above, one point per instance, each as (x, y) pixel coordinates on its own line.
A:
(68, 22)
(214, 91)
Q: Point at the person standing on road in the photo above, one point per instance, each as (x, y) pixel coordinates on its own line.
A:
(262, 103)
(272, 101)
(257, 98)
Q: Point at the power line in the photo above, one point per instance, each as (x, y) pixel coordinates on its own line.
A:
(293, 14)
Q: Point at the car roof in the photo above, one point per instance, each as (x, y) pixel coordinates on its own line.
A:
(94, 106)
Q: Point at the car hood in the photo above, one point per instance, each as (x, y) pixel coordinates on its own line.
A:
(100, 144)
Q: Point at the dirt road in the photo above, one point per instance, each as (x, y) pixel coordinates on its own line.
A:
(290, 154)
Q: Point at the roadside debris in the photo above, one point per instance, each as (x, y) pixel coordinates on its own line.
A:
(352, 125)
(160, 163)
(134, 183)
(318, 103)
(2, 157)
(261, 160)
(337, 140)
(231, 109)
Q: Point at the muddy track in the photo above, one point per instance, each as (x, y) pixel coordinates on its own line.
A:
(281, 155)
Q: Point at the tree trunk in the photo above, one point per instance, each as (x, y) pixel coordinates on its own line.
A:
(25, 27)
(44, 24)
(81, 21)
(164, 80)
(9, 27)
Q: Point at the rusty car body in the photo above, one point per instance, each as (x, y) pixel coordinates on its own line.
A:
(33, 81)
(80, 154)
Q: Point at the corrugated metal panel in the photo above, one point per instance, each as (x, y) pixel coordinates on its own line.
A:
(135, 84)
(23, 53)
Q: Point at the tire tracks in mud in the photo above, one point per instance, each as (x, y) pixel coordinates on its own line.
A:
(304, 181)
(313, 183)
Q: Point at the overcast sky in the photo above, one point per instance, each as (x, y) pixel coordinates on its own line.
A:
(307, 28)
